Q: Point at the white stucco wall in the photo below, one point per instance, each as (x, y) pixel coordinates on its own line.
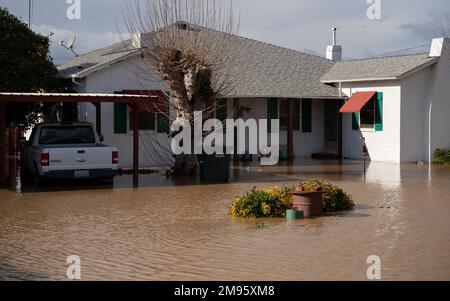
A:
(439, 97)
(126, 75)
(414, 116)
(384, 146)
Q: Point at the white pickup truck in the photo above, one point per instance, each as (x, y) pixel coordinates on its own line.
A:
(68, 151)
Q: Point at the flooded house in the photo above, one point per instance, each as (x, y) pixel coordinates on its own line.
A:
(398, 104)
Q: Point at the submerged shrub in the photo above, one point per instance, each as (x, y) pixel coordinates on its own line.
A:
(274, 202)
(441, 156)
(334, 198)
(271, 202)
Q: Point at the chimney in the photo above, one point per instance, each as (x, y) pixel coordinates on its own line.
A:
(140, 40)
(334, 52)
(439, 47)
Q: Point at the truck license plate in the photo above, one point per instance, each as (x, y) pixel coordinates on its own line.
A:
(81, 173)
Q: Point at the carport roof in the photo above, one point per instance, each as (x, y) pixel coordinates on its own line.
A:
(71, 97)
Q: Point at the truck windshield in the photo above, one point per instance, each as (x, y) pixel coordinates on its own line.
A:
(67, 135)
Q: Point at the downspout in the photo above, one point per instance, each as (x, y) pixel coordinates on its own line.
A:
(74, 80)
(349, 120)
(430, 115)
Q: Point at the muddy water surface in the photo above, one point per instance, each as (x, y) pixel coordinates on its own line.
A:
(168, 231)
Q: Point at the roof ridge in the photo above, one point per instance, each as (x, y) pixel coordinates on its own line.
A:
(384, 57)
(254, 40)
(280, 47)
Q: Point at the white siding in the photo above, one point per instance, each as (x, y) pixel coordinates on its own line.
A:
(414, 141)
(118, 77)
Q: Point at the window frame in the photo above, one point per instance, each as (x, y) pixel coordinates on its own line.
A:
(130, 121)
(368, 126)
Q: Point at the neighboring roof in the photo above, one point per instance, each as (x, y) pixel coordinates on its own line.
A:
(88, 63)
(383, 68)
(259, 69)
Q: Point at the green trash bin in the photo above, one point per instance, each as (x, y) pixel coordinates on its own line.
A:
(214, 168)
(294, 214)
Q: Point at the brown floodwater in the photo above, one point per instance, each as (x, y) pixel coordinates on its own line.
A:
(181, 231)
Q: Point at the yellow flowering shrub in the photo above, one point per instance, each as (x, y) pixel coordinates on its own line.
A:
(274, 202)
(271, 202)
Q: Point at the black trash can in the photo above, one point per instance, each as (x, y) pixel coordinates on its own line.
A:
(214, 168)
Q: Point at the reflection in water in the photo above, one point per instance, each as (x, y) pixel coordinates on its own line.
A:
(387, 175)
(181, 231)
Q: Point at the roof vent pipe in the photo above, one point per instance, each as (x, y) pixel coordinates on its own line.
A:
(334, 52)
(334, 36)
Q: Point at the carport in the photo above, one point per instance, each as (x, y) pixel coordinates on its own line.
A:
(133, 101)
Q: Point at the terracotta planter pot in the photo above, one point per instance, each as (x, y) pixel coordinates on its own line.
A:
(309, 202)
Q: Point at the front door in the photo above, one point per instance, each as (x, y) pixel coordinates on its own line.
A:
(331, 109)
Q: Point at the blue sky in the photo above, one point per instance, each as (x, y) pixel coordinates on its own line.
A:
(296, 24)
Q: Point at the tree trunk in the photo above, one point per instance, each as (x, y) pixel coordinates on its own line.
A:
(186, 164)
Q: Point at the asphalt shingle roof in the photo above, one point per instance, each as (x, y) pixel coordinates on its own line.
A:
(393, 67)
(264, 70)
(259, 69)
(84, 64)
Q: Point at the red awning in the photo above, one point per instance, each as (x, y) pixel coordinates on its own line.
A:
(355, 103)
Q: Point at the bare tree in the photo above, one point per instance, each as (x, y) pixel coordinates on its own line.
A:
(190, 45)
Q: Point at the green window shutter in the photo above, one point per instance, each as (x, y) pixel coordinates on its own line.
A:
(163, 123)
(306, 115)
(221, 110)
(379, 112)
(355, 121)
(272, 112)
(120, 118)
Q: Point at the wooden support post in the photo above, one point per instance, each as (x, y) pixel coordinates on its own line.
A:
(2, 143)
(236, 116)
(340, 131)
(290, 133)
(98, 117)
(135, 146)
(12, 154)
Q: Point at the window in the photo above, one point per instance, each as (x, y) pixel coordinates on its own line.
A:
(67, 135)
(147, 121)
(306, 115)
(221, 110)
(272, 112)
(367, 115)
(120, 118)
(296, 114)
(284, 115)
(371, 115)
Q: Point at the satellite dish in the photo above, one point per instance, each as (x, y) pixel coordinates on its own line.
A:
(70, 44)
(71, 41)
